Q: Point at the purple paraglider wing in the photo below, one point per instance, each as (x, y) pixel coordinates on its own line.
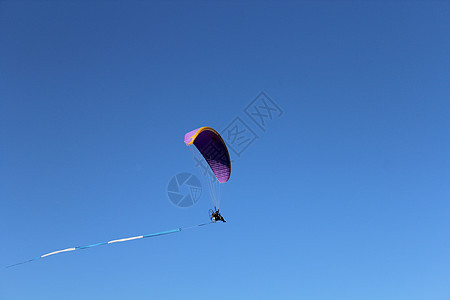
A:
(212, 147)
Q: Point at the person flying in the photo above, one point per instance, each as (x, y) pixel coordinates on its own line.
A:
(216, 216)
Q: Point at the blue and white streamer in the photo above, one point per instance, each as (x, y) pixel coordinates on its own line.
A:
(111, 242)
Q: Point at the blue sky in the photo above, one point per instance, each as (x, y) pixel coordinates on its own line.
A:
(344, 196)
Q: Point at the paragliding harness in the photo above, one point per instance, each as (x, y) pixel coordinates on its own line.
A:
(215, 216)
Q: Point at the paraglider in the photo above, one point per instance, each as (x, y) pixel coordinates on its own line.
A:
(211, 146)
(214, 151)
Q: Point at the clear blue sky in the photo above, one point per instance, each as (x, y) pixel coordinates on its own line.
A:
(345, 196)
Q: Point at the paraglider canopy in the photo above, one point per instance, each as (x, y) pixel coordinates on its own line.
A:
(212, 147)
